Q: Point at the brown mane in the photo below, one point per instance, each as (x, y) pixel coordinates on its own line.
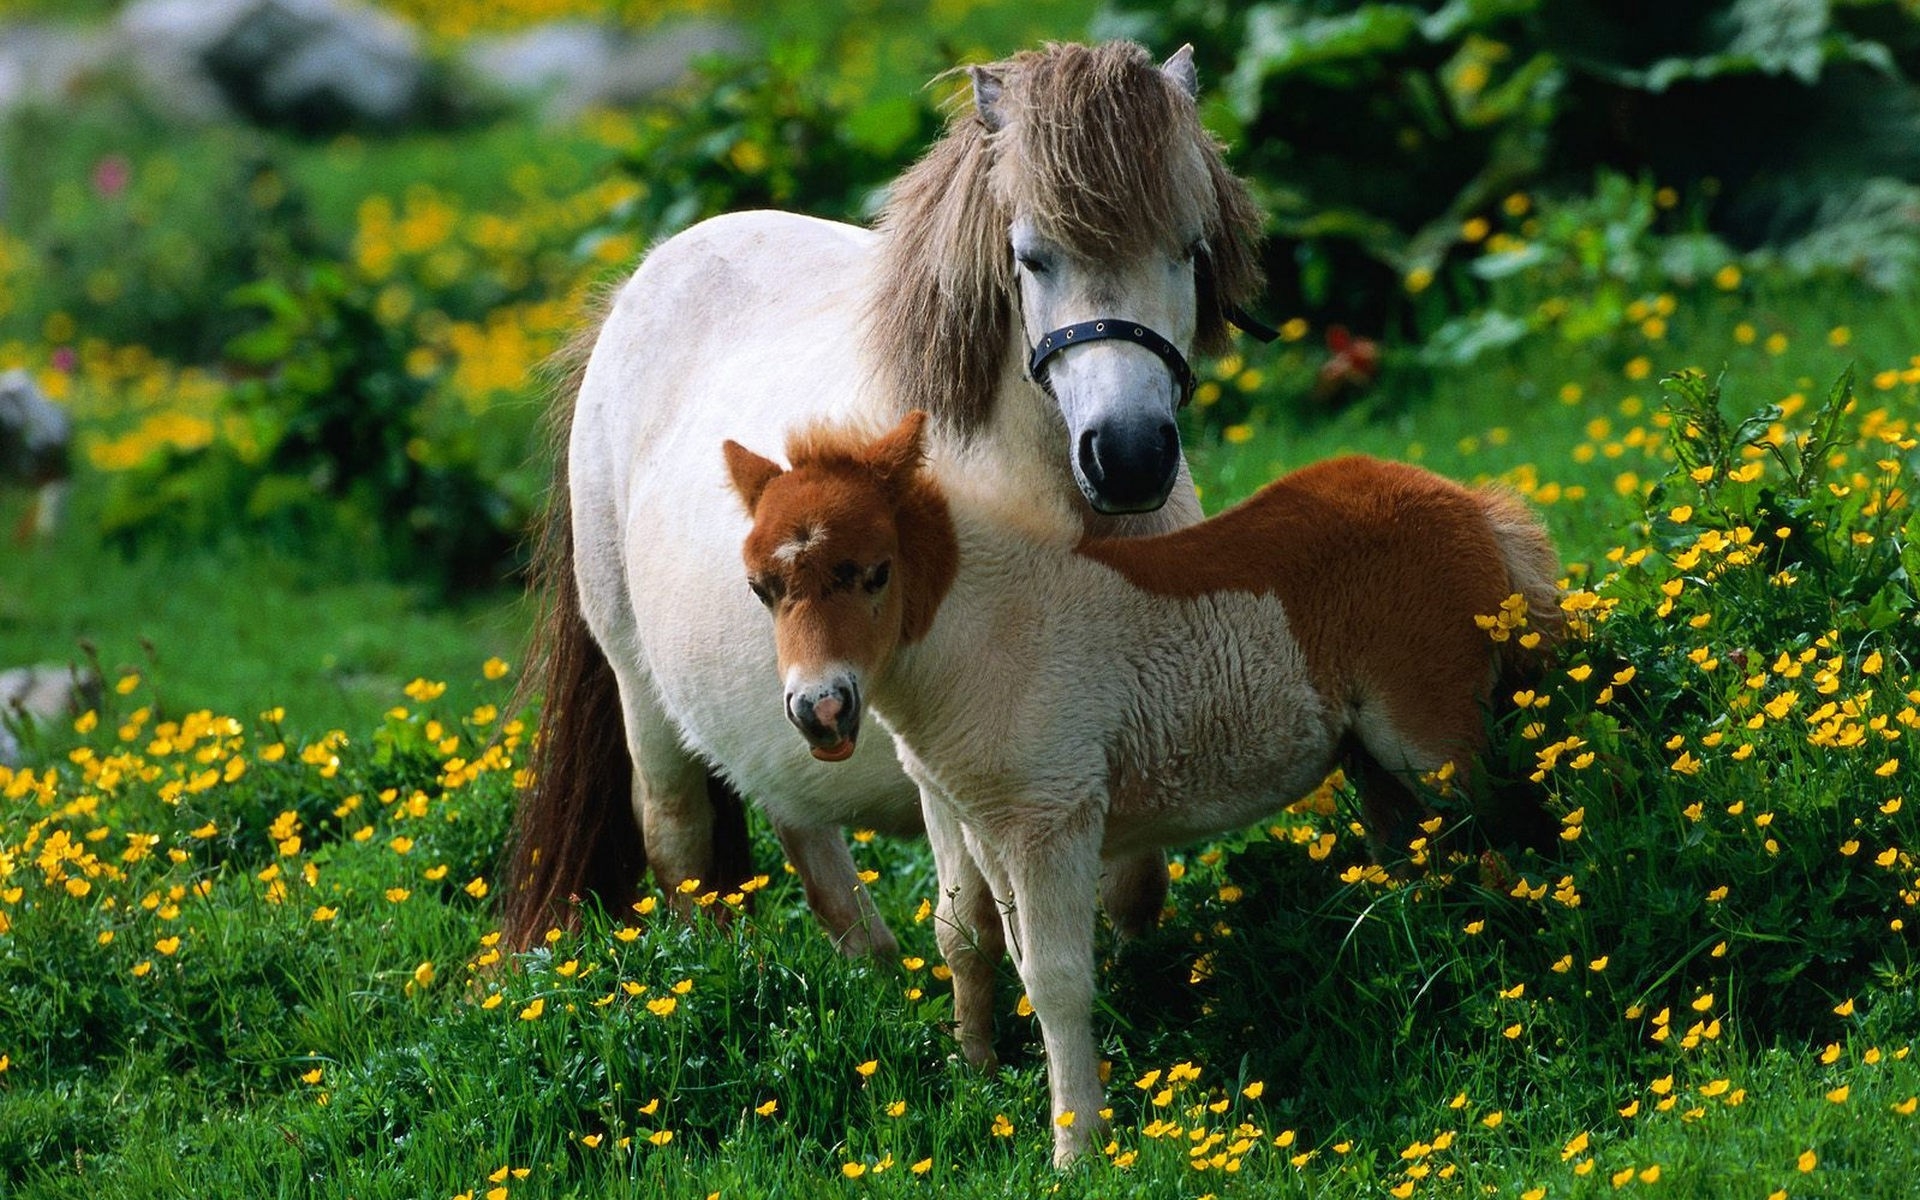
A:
(929, 551)
(1108, 155)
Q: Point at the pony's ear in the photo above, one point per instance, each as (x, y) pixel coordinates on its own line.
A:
(899, 454)
(750, 473)
(1181, 70)
(989, 90)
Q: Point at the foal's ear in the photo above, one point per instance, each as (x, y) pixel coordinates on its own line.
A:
(898, 455)
(751, 473)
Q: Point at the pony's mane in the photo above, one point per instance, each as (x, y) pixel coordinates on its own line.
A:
(1108, 155)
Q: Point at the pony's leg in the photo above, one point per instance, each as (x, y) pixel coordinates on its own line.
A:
(842, 903)
(1133, 890)
(967, 926)
(1055, 875)
(670, 799)
(1389, 808)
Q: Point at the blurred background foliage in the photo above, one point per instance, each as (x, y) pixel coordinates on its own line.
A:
(330, 340)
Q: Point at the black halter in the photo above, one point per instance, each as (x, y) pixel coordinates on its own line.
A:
(1103, 328)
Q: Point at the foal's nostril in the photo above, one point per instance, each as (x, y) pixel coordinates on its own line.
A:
(827, 709)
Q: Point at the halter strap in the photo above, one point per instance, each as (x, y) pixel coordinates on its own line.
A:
(1101, 329)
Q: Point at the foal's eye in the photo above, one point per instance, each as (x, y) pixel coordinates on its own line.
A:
(761, 592)
(877, 578)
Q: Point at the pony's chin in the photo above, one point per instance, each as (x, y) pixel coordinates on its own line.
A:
(840, 751)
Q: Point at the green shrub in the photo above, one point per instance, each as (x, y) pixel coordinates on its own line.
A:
(334, 440)
(1378, 130)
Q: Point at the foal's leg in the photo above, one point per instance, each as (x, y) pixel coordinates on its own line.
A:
(1133, 890)
(820, 857)
(1055, 872)
(967, 925)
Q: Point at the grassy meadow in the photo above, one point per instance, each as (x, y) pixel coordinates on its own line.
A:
(247, 938)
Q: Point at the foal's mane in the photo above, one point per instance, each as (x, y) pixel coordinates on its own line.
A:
(1108, 155)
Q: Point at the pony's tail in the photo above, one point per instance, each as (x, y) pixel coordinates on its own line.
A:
(575, 836)
(574, 833)
(1533, 570)
(1514, 814)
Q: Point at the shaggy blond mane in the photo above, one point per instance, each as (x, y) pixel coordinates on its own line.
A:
(1107, 154)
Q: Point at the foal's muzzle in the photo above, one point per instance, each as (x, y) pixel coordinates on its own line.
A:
(828, 716)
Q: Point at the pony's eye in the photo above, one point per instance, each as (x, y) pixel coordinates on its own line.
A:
(761, 592)
(1195, 249)
(1033, 264)
(877, 578)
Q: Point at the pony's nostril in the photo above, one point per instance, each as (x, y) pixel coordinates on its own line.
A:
(1089, 456)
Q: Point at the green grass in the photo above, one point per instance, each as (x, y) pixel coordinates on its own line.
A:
(243, 628)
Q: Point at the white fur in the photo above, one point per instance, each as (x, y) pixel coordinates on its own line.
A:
(747, 327)
(1055, 715)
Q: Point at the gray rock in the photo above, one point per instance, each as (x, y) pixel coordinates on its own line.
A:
(573, 66)
(315, 65)
(44, 64)
(35, 434)
(47, 692)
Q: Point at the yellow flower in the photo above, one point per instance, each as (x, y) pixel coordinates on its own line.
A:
(853, 1170)
(1807, 1162)
(662, 1006)
(767, 1109)
(495, 668)
(423, 975)
(1001, 1126)
(1253, 1090)
(532, 1011)
(866, 1069)
(922, 1167)
(167, 945)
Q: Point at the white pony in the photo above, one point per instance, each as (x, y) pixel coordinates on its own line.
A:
(1078, 203)
(1062, 699)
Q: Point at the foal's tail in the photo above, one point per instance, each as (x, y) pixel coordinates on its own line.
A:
(574, 836)
(1533, 570)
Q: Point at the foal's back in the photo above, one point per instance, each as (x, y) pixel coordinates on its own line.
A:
(1382, 568)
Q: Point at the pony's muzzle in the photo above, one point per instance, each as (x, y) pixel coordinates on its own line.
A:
(1127, 467)
(828, 716)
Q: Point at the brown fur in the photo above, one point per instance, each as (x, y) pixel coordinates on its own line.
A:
(1109, 157)
(574, 836)
(849, 505)
(1382, 568)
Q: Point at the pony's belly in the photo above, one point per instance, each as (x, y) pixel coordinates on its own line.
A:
(745, 330)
